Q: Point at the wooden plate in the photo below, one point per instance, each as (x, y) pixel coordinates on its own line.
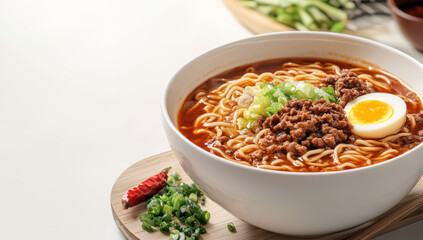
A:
(254, 20)
(259, 23)
(130, 225)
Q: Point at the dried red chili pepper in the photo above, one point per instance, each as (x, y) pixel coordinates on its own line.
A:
(145, 190)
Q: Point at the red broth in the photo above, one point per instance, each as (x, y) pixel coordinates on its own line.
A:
(185, 120)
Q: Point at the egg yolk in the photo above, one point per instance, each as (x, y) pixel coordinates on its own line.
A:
(370, 112)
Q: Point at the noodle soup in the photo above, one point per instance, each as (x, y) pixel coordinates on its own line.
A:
(303, 115)
(282, 201)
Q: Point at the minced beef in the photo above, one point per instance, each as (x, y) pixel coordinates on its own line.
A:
(303, 125)
(220, 143)
(410, 141)
(348, 86)
(418, 117)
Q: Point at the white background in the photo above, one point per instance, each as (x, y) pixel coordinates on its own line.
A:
(81, 83)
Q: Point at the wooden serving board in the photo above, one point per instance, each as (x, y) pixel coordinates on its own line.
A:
(259, 23)
(129, 224)
(254, 20)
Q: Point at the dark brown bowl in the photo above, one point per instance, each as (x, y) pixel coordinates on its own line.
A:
(410, 26)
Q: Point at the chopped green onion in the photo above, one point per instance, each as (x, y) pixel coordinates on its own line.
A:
(309, 90)
(146, 216)
(147, 227)
(173, 178)
(164, 198)
(151, 222)
(300, 95)
(157, 221)
(188, 231)
(273, 96)
(174, 235)
(178, 201)
(196, 233)
(167, 218)
(154, 208)
(176, 225)
(338, 27)
(176, 210)
(203, 217)
(167, 209)
(192, 222)
(274, 108)
(231, 227)
(164, 227)
(329, 90)
(193, 197)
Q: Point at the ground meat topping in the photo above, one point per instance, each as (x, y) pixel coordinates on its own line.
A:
(303, 125)
(348, 86)
(418, 117)
(410, 141)
(220, 143)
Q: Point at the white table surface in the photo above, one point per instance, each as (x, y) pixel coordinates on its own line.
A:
(81, 83)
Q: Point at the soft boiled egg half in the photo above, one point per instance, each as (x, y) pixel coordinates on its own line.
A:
(376, 115)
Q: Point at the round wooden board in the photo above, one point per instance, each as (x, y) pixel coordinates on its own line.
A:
(129, 224)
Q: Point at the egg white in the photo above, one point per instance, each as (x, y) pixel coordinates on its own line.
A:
(383, 129)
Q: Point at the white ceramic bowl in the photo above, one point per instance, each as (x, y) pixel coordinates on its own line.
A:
(285, 202)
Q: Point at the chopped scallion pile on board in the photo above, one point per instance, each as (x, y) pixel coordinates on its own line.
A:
(176, 211)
